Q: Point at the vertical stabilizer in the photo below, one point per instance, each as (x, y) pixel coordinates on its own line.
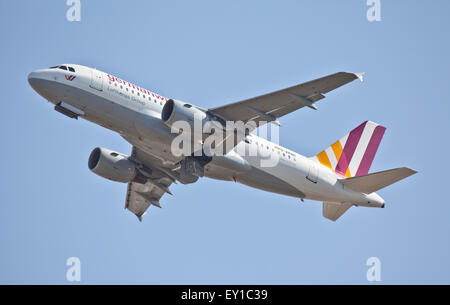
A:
(333, 211)
(353, 154)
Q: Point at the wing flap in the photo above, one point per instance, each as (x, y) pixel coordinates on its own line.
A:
(143, 194)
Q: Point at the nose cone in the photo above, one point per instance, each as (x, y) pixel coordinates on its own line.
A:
(35, 77)
(33, 80)
(40, 81)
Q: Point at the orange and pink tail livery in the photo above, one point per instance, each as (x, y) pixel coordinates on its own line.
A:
(353, 154)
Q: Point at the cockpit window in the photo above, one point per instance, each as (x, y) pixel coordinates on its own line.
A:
(63, 68)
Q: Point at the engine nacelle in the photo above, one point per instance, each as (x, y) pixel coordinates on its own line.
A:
(112, 165)
(194, 125)
(174, 111)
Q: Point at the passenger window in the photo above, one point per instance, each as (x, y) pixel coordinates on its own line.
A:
(71, 69)
(63, 68)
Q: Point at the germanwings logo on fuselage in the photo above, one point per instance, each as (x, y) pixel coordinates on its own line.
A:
(70, 77)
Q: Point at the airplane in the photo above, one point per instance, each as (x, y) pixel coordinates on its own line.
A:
(338, 176)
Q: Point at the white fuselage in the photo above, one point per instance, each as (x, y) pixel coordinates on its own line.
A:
(135, 113)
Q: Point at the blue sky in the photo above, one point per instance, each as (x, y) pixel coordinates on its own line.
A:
(210, 53)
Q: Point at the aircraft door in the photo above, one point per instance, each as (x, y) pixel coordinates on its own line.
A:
(96, 80)
(313, 173)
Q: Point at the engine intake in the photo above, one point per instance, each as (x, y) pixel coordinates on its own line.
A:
(112, 165)
(174, 111)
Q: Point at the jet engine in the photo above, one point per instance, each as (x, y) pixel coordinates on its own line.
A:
(174, 111)
(112, 165)
(194, 125)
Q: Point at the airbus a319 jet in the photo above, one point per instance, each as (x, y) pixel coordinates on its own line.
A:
(338, 176)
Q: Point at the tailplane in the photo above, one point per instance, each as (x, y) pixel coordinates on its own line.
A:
(353, 154)
(373, 182)
(366, 184)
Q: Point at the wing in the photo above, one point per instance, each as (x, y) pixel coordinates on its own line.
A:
(269, 107)
(149, 189)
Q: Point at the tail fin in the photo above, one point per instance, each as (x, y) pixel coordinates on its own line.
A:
(353, 154)
(333, 211)
(373, 182)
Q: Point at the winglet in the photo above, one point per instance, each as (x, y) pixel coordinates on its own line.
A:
(360, 76)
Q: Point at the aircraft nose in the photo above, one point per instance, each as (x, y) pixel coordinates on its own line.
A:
(32, 78)
(36, 75)
(39, 81)
(32, 75)
(34, 81)
(39, 74)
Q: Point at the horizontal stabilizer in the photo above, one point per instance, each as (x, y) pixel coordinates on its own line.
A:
(373, 182)
(333, 211)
